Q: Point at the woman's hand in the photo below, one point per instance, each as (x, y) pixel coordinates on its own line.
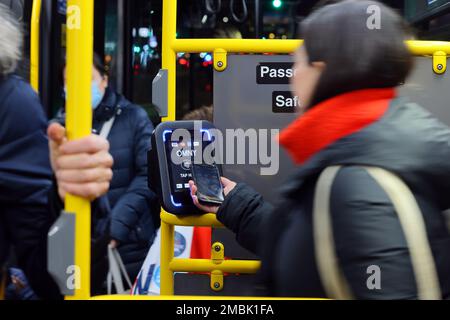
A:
(228, 185)
(114, 244)
(82, 167)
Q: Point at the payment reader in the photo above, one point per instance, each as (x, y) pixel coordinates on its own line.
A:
(175, 147)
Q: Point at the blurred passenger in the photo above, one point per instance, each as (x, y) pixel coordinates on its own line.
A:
(346, 80)
(204, 113)
(29, 201)
(135, 210)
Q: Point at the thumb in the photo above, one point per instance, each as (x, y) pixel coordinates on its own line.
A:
(56, 133)
(225, 181)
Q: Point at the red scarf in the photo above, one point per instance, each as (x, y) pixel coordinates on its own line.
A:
(332, 120)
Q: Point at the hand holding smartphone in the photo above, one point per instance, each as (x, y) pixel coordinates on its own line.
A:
(209, 186)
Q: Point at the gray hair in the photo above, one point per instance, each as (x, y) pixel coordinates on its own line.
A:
(10, 41)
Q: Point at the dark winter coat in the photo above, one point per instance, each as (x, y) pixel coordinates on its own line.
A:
(135, 210)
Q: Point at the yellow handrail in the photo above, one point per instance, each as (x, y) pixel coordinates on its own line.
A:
(236, 45)
(206, 265)
(206, 220)
(34, 44)
(420, 48)
(80, 41)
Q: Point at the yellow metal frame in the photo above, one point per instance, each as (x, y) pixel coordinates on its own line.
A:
(34, 45)
(79, 122)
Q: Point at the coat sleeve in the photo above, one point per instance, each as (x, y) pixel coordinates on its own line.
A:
(370, 244)
(245, 212)
(138, 198)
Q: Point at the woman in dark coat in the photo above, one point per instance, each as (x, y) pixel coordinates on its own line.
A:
(134, 215)
(346, 75)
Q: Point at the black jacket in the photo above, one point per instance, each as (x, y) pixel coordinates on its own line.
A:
(134, 216)
(406, 140)
(25, 182)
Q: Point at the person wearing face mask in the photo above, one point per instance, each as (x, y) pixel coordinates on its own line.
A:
(134, 215)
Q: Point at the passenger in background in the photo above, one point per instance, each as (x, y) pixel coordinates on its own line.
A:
(135, 209)
(204, 113)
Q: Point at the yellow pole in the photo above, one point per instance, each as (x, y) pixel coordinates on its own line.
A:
(168, 54)
(80, 28)
(168, 63)
(167, 248)
(34, 45)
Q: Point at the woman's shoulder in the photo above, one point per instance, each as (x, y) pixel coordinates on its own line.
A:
(132, 112)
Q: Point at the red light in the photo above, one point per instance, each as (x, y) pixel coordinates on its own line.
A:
(183, 61)
(205, 64)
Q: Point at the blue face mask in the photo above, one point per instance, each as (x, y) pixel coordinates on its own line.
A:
(96, 95)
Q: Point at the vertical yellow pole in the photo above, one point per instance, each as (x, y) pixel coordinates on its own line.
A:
(168, 54)
(169, 63)
(167, 248)
(80, 29)
(34, 45)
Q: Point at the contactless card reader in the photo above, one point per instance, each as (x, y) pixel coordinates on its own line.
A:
(175, 146)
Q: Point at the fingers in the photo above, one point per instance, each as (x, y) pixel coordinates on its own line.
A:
(114, 243)
(56, 133)
(91, 144)
(228, 185)
(225, 181)
(102, 174)
(82, 167)
(81, 161)
(202, 207)
(90, 191)
(193, 187)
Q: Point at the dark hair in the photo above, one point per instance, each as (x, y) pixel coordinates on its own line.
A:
(356, 56)
(100, 65)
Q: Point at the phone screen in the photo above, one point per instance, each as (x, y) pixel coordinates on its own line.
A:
(207, 180)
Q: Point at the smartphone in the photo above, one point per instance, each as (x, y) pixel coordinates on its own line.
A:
(209, 186)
